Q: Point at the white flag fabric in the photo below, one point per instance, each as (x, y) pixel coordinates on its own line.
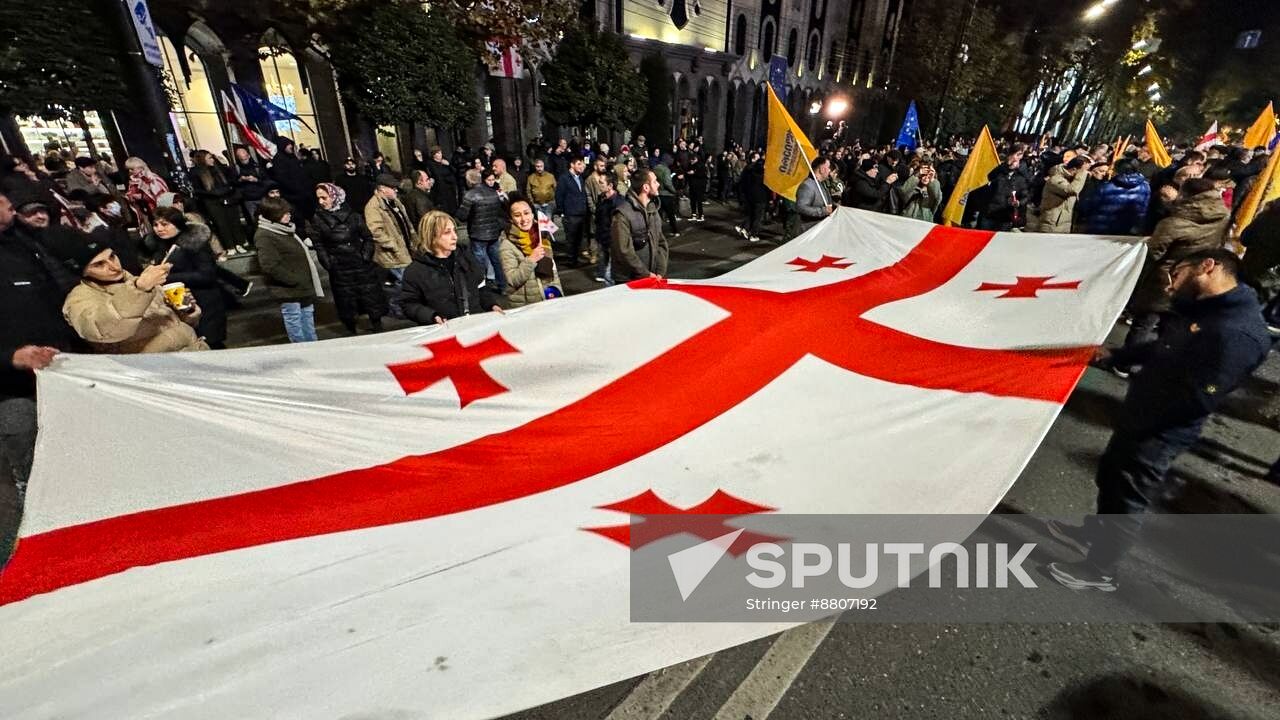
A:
(433, 521)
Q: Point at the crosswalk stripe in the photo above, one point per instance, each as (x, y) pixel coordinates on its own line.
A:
(655, 693)
(770, 679)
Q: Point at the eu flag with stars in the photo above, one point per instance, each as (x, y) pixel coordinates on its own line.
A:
(909, 135)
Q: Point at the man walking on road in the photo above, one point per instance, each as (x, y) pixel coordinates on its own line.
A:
(1209, 348)
(571, 201)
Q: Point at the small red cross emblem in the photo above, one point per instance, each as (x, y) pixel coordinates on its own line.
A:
(1027, 287)
(662, 519)
(813, 266)
(454, 361)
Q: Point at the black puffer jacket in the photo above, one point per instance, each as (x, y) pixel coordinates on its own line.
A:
(484, 212)
(447, 287)
(345, 247)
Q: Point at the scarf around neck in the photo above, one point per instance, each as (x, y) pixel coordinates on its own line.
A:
(522, 239)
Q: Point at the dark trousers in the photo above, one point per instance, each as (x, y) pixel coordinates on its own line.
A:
(755, 217)
(17, 448)
(667, 208)
(1131, 477)
(697, 197)
(226, 223)
(575, 233)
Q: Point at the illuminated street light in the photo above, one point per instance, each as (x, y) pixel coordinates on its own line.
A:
(816, 107)
(1096, 10)
(837, 107)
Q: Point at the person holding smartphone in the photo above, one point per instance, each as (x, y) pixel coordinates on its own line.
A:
(526, 263)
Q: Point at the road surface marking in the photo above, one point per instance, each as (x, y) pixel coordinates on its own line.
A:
(770, 679)
(655, 693)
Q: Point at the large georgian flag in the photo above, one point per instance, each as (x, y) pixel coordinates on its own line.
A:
(432, 521)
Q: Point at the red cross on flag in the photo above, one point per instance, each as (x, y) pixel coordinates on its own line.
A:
(504, 61)
(306, 530)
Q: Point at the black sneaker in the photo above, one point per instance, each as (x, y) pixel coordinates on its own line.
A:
(1073, 537)
(1082, 576)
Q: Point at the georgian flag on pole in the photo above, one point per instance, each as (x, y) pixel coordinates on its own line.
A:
(233, 115)
(435, 520)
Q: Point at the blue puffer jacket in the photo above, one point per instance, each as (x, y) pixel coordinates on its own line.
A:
(1118, 207)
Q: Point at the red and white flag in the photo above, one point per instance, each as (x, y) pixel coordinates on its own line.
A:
(1209, 138)
(505, 62)
(233, 115)
(434, 520)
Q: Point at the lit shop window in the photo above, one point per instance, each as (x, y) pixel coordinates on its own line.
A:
(282, 82)
(196, 117)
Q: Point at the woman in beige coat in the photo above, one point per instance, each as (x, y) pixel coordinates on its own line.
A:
(522, 254)
(1062, 187)
(116, 312)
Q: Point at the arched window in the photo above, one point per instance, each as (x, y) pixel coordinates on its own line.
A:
(282, 83)
(793, 40)
(198, 119)
(815, 47)
(740, 36)
(768, 44)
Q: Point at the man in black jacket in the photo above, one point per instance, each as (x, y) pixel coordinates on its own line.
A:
(755, 198)
(866, 190)
(1209, 348)
(1010, 189)
(357, 186)
(33, 287)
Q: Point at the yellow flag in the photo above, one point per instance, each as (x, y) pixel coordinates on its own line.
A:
(1122, 144)
(1155, 146)
(1262, 130)
(788, 152)
(983, 158)
(1265, 189)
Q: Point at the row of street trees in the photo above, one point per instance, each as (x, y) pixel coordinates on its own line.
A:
(397, 61)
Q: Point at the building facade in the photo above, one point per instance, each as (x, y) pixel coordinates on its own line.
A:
(719, 53)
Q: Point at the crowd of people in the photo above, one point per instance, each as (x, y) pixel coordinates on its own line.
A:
(104, 261)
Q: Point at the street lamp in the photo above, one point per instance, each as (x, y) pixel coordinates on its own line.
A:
(837, 107)
(1096, 10)
(815, 107)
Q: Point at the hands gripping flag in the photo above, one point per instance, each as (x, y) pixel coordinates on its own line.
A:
(435, 521)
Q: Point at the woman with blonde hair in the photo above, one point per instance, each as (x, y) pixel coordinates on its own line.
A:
(441, 283)
(145, 187)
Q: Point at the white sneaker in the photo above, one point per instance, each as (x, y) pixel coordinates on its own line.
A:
(754, 239)
(742, 231)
